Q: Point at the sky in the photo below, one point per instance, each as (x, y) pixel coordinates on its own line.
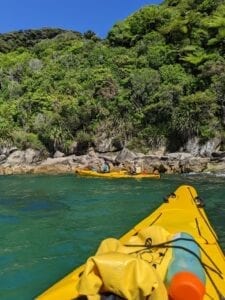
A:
(78, 15)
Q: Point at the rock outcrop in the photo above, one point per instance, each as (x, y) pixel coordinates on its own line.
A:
(204, 158)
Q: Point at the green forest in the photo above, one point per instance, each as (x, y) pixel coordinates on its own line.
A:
(158, 78)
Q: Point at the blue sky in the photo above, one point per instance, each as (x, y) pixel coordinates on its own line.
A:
(78, 15)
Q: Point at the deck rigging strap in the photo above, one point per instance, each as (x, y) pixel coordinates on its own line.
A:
(199, 231)
(199, 209)
(148, 245)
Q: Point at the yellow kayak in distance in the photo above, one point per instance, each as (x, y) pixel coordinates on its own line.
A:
(174, 253)
(116, 174)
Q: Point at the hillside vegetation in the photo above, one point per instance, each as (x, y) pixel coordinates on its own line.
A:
(157, 79)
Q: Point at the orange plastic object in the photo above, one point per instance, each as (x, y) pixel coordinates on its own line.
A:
(186, 286)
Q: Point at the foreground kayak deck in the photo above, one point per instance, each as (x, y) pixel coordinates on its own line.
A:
(181, 212)
(114, 174)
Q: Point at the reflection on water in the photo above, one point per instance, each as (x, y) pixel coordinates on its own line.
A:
(49, 224)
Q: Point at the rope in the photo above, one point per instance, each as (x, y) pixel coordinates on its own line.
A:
(148, 245)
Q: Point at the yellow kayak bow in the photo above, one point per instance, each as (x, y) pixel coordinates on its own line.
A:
(174, 253)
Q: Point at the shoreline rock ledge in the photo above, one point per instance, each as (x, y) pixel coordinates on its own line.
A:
(30, 161)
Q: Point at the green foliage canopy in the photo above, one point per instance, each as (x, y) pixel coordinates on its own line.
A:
(159, 74)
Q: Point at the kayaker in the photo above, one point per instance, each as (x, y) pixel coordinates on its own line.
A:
(105, 167)
(135, 169)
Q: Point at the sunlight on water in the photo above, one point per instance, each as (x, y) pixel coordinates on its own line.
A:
(50, 224)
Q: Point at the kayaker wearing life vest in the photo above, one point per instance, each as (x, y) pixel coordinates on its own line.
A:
(105, 167)
(135, 168)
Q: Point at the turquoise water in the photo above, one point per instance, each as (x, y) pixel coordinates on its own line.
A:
(50, 224)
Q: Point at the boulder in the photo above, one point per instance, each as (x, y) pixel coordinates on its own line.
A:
(196, 148)
(32, 156)
(195, 164)
(103, 145)
(16, 158)
(58, 154)
(125, 155)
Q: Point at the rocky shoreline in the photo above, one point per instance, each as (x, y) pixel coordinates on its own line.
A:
(30, 161)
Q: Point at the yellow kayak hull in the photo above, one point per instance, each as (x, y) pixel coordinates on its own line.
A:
(116, 174)
(179, 213)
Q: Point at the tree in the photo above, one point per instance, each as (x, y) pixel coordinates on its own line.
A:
(143, 85)
(196, 116)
